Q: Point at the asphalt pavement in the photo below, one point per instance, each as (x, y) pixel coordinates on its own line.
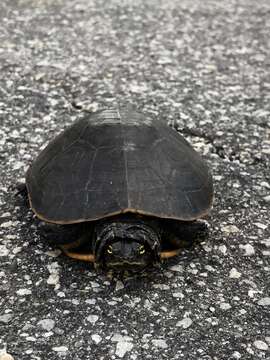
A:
(202, 66)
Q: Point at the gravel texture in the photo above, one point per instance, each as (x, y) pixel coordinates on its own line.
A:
(200, 65)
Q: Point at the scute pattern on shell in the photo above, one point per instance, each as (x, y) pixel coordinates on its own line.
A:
(115, 162)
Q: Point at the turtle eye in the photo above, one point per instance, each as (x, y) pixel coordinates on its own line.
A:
(109, 249)
(141, 250)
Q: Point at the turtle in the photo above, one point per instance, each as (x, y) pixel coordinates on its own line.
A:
(120, 189)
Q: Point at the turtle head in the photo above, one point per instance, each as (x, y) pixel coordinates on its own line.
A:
(126, 245)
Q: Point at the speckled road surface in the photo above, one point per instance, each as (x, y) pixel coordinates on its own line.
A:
(202, 65)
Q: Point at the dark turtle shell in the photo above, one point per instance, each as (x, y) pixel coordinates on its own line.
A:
(118, 161)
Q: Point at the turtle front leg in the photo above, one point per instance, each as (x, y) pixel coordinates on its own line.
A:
(170, 253)
(62, 235)
(178, 235)
(77, 255)
(56, 234)
(83, 256)
(192, 231)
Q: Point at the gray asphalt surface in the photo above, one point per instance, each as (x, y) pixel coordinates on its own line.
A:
(201, 65)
